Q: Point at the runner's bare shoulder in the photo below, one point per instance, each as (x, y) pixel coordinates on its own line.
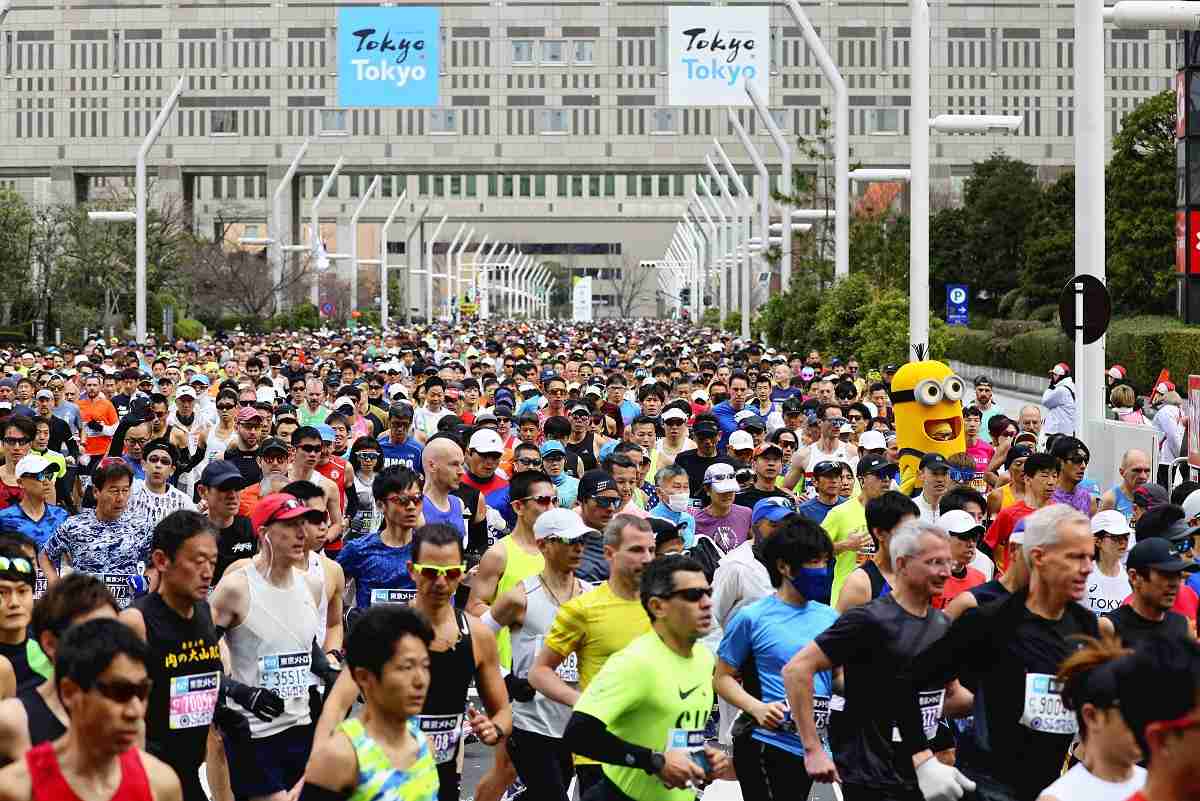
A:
(16, 784)
(14, 730)
(164, 784)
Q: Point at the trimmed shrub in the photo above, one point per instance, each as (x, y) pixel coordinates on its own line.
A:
(1007, 329)
(1035, 352)
(970, 346)
(189, 329)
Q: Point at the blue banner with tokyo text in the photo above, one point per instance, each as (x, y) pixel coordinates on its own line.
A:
(388, 56)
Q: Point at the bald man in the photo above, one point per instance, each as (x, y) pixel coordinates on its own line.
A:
(1135, 471)
(442, 460)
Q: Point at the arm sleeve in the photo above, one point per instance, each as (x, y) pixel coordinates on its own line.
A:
(965, 645)
(588, 736)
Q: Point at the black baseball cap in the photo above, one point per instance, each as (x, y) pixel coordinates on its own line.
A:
(1156, 553)
(793, 405)
(593, 482)
(402, 410)
(273, 444)
(706, 428)
(873, 463)
(982, 381)
(221, 473)
(934, 461)
(1017, 452)
(827, 467)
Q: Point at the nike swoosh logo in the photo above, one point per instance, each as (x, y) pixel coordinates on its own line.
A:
(683, 696)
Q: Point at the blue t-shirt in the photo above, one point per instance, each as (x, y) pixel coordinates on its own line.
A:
(14, 519)
(815, 509)
(406, 454)
(770, 632)
(452, 517)
(689, 522)
(375, 566)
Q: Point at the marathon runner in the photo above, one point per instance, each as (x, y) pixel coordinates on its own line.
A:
(376, 564)
(1011, 651)
(883, 517)
(854, 540)
(319, 567)
(595, 625)
(184, 658)
(1156, 572)
(101, 675)
(219, 485)
(463, 650)
(538, 752)
(383, 754)
(37, 715)
(19, 653)
(870, 643)
(629, 718)
(758, 642)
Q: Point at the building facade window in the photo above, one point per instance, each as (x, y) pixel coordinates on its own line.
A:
(443, 121)
(523, 52)
(585, 52)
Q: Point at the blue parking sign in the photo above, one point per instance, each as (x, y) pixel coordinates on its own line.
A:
(958, 297)
(388, 56)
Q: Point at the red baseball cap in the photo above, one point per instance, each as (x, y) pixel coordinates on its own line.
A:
(275, 507)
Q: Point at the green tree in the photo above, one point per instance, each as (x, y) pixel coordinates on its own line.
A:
(1050, 248)
(879, 249)
(949, 246)
(1000, 199)
(1140, 208)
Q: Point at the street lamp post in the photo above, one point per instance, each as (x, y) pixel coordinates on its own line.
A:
(383, 262)
(315, 226)
(362, 204)
(785, 177)
(454, 277)
(737, 239)
(446, 265)
(724, 245)
(429, 270)
(746, 209)
(712, 245)
(696, 231)
(275, 225)
(764, 177)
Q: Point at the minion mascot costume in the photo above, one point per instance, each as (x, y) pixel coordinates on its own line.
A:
(927, 401)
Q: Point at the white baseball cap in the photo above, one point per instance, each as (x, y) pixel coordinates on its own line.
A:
(958, 521)
(673, 413)
(485, 440)
(31, 464)
(184, 391)
(872, 440)
(563, 523)
(741, 441)
(1111, 521)
(720, 477)
(1191, 505)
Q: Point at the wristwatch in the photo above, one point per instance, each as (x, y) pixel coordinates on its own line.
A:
(657, 763)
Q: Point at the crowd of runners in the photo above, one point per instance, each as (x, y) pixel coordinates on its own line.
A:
(633, 558)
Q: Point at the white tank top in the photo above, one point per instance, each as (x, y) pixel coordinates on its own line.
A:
(216, 447)
(1106, 593)
(272, 648)
(317, 571)
(541, 715)
(1078, 784)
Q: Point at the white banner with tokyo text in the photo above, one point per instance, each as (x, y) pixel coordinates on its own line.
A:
(713, 50)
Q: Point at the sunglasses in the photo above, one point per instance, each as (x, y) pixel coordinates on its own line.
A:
(160, 460)
(225, 407)
(529, 462)
(16, 563)
(854, 418)
(17, 441)
(405, 500)
(122, 692)
(607, 503)
(1102, 535)
(541, 500)
(310, 448)
(1077, 459)
(368, 456)
(433, 572)
(890, 473)
(1182, 546)
(691, 594)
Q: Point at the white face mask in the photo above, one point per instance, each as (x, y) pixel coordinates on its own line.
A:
(679, 502)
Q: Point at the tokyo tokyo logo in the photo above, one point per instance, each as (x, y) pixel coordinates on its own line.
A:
(713, 51)
(722, 52)
(388, 56)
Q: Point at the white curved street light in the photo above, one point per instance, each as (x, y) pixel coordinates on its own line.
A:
(724, 245)
(428, 269)
(384, 307)
(354, 261)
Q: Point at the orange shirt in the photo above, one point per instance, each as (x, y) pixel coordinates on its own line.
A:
(102, 410)
(337, 470)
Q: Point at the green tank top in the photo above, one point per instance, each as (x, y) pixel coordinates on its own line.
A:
(378, 780)
(518, 566)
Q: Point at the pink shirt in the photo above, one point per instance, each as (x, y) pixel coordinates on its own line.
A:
(982, 453)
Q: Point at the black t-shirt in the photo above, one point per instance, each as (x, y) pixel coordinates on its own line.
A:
(247, 463)
(1007, 653)
(18, 657)
(871, 642)
(989, 591)
(1132, 628)
(234, 542)
(751, 496)
(695, 465)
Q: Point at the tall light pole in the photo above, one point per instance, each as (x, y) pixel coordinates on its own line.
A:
(315, 227)
(409, 260)
(747, 204)
(712, 246)
(724, 245)
(362, 204)
(737, 244)
(760, 167)
(454, 275)
(785, 177)
(383, 261)
(429, 270)
(445, 275)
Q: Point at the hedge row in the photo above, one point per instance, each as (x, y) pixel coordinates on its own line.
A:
(1143, 345)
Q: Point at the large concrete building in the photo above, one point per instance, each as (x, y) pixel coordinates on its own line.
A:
(553, 133)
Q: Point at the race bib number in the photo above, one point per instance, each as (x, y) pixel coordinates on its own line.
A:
(39, 585)
(443, 732)
(869, 549)
(385, 596)
(687, 739)
(930, 703)
(287, 675)
(192, 700)
(118, 585)
(1044, 708)
(568, 671)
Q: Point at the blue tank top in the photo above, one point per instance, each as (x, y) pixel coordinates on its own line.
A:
(1122, 502)
(452, 518)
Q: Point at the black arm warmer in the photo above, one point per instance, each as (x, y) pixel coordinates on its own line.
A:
(588, 736)
(315, 792)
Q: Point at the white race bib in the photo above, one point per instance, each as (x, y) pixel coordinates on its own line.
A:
(568, 670)
(930, 702)
(287, 675)
(443, 732)
(1044, 708)
(386, 596)
(192, 700)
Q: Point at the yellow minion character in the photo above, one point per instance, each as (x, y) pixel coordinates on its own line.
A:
(927, 399)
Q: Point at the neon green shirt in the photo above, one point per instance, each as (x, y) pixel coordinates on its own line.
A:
(842, 521)
(648, 695)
